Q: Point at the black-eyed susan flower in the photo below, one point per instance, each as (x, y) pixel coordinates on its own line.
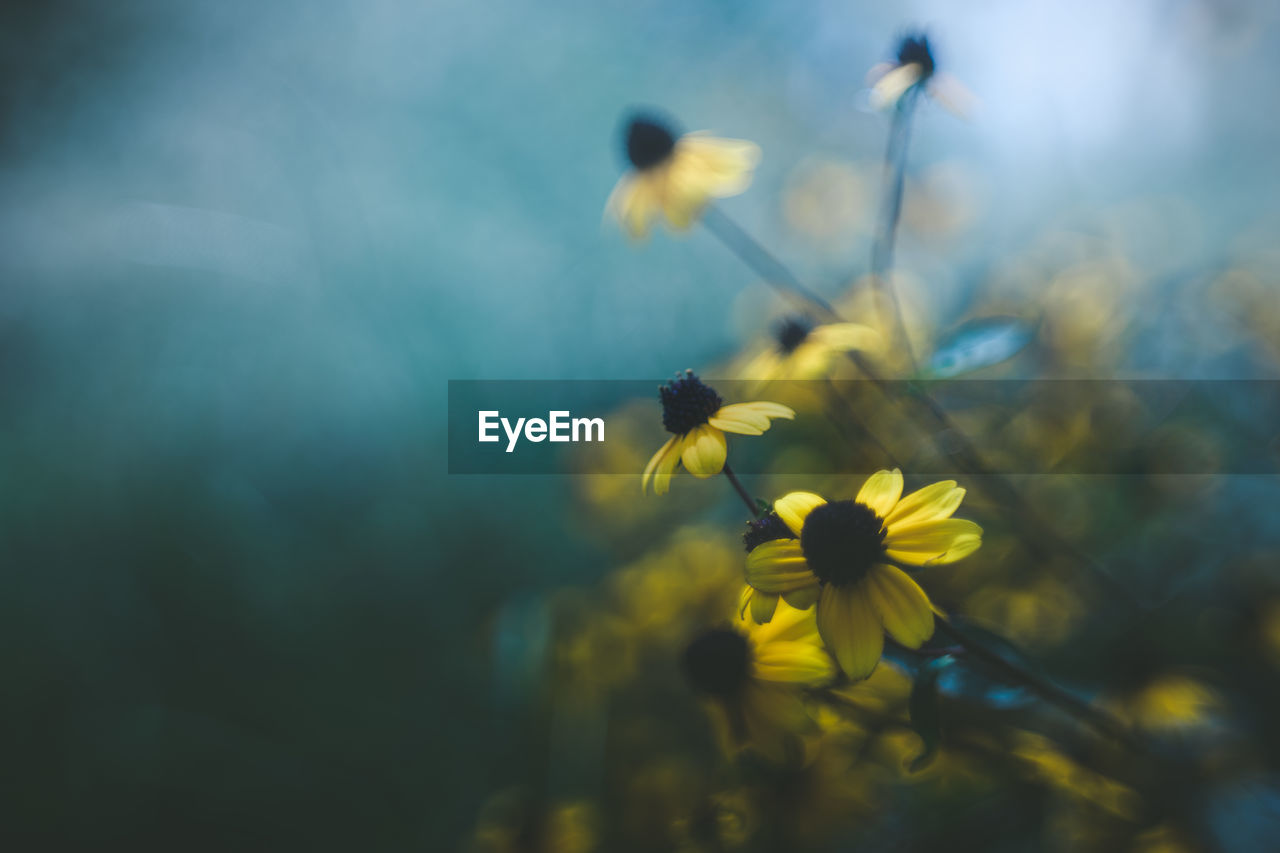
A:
(752, 676)
(676, 176)
(802, 350)
(698, 419)
(915, 66)
(843, 554)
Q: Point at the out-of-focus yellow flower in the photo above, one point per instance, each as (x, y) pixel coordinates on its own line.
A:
(698, 419)
(801, 350)
(915, 66)
(840, 555)
(1039, 614)
(1269, 630)
(510, 823)
(674, 176)
(1170, 703)
(751, 675)
(1056, 769)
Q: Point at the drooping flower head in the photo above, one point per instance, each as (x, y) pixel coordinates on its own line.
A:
(915, 66)
(674, 175)
(751, 676)
(698, 419)
(801, 349)
(845, 556)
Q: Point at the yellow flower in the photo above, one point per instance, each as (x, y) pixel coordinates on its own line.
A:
(676, 176)
(752, 676)
(841, 555)
(801, 350)
(915, 66)
(698, 419)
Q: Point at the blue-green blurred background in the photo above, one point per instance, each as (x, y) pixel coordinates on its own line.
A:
(244, 245)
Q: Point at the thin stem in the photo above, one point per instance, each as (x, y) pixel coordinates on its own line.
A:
(895, 167)
(851, 413)
(1099, 720)
(742, 492)
(767, 266)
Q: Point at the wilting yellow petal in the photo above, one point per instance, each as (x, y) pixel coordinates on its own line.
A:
(667, 465)
(847, 336)
(802, 598)
(634, 202)
(704, 451)
(792, 663)
(902, 605)
(795, 507)
(763, 606)
(778, 567)
(931, 503)
(881, 491)
(788, 625)
(851, 628)
(655, 462)
(894, 84)
(953, 95)
(933, 542)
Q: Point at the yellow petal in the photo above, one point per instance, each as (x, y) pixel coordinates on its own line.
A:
(931, 503)
(933, 542)
(802, 598)
(847, 336)
(654, 462)
(704, 451)
(788, 625)
(894, 84)
(953, 95)
(881, 491)
(740, 418)
(634, 203)
(792, 663)
(851, 628)
(667, 465)
(771, 410)
(763, 606)
(779, 566)
(902, 605)
(795, 507)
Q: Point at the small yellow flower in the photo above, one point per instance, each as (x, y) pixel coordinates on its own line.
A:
(801, 350)
(698, 419)
(676, 176)
(915, 66)
(841, 555)
(752, 676)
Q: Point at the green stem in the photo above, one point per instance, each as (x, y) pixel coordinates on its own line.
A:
(757, 257)
(895, 168)
(1099, 720)
(752, 506)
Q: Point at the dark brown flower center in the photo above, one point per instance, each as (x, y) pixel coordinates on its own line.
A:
(649, 142)
(915, 49)
(718, 662)
(767, 528)
(791, 333)
(841, 541)
(687, 403)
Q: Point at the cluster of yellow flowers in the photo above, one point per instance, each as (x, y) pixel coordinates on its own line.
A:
(806, 653)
